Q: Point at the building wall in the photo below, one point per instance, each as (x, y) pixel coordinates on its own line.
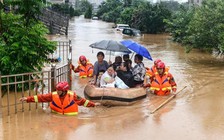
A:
(198, 2)
(56, 1)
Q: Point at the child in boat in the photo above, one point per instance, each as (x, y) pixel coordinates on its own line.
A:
(99, 77)
(108, 78)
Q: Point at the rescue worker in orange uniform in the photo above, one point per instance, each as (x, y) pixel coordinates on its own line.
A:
(62, 101)
(85, 68)
(152, 70)
(162, 82)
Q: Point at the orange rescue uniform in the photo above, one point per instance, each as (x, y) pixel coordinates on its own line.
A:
(162, 85)
(150, 72)
(84, 71)
(66, 105)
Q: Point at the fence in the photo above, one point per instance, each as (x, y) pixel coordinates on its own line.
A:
(57, 23)
(26, 84)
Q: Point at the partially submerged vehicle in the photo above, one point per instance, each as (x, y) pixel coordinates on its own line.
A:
(114, 96)
(131, 32)
(95, 18)
(120, 27)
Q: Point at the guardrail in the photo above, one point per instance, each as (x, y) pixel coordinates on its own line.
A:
(57, 23)
(26, 84)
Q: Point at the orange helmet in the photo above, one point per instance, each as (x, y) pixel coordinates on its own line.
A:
(160, 65)
(82, 58)
(157, 61)
(62, 86)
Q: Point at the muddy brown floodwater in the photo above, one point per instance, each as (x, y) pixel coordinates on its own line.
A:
(195, 114)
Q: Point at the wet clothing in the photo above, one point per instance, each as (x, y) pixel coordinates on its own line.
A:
(126, 77)
(139, 73)
(105, 78)
(162, 85)
(84, 71)
(98, 67)
(151, 71)
(66, 105)
(116, 66)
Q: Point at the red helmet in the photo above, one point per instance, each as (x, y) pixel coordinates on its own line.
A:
(62, 86)
(157, 61)
(82, 58)
(160, 65)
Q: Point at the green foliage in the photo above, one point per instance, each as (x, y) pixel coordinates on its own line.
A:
(84, 6)
(108, 9)
(23, 48)
(65, 9)
(88, 12)
(139, 14)
(112, 16)
(171, 5)
(126, 16)
(200, 27)
(177, 25)
(205, 31)
(29, 9)
(149, 18)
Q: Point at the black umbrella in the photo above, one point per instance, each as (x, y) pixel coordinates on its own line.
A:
(110, 45)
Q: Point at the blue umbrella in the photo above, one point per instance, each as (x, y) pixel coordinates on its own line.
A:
(139, 49)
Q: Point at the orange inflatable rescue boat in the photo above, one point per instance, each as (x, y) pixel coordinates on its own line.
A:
(114, 96)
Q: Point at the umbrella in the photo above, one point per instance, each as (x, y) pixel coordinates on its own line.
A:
(110, 45)
(139, 49)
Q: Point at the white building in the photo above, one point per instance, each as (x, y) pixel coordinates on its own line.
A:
(196, 2)
(56, 1)
(97, 2)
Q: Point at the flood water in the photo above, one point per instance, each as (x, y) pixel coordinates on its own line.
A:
(196, 113)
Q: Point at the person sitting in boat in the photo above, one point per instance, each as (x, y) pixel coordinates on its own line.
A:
(129, 62)
(99, 77)
(62, 101)
(117, 62)
(108, 78)
(162, 82)
(126, 57)
(139, 70)
(85, 68)
(125, 74)
(99, 65)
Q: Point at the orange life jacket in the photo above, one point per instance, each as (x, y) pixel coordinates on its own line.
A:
(85, 71)
(68, 107)
(161, 85)
(153, 70)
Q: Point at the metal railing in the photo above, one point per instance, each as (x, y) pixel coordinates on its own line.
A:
(57, 23)
(26, 84)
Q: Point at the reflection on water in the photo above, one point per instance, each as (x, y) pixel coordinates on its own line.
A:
(196, 113)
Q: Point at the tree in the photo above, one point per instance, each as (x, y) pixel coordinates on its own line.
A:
(206, 29)
(149, 18)
(23, 43)
(88, 12)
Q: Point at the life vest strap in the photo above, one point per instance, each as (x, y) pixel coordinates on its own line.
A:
(35, 98)
(68, 114)
(86, 103)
